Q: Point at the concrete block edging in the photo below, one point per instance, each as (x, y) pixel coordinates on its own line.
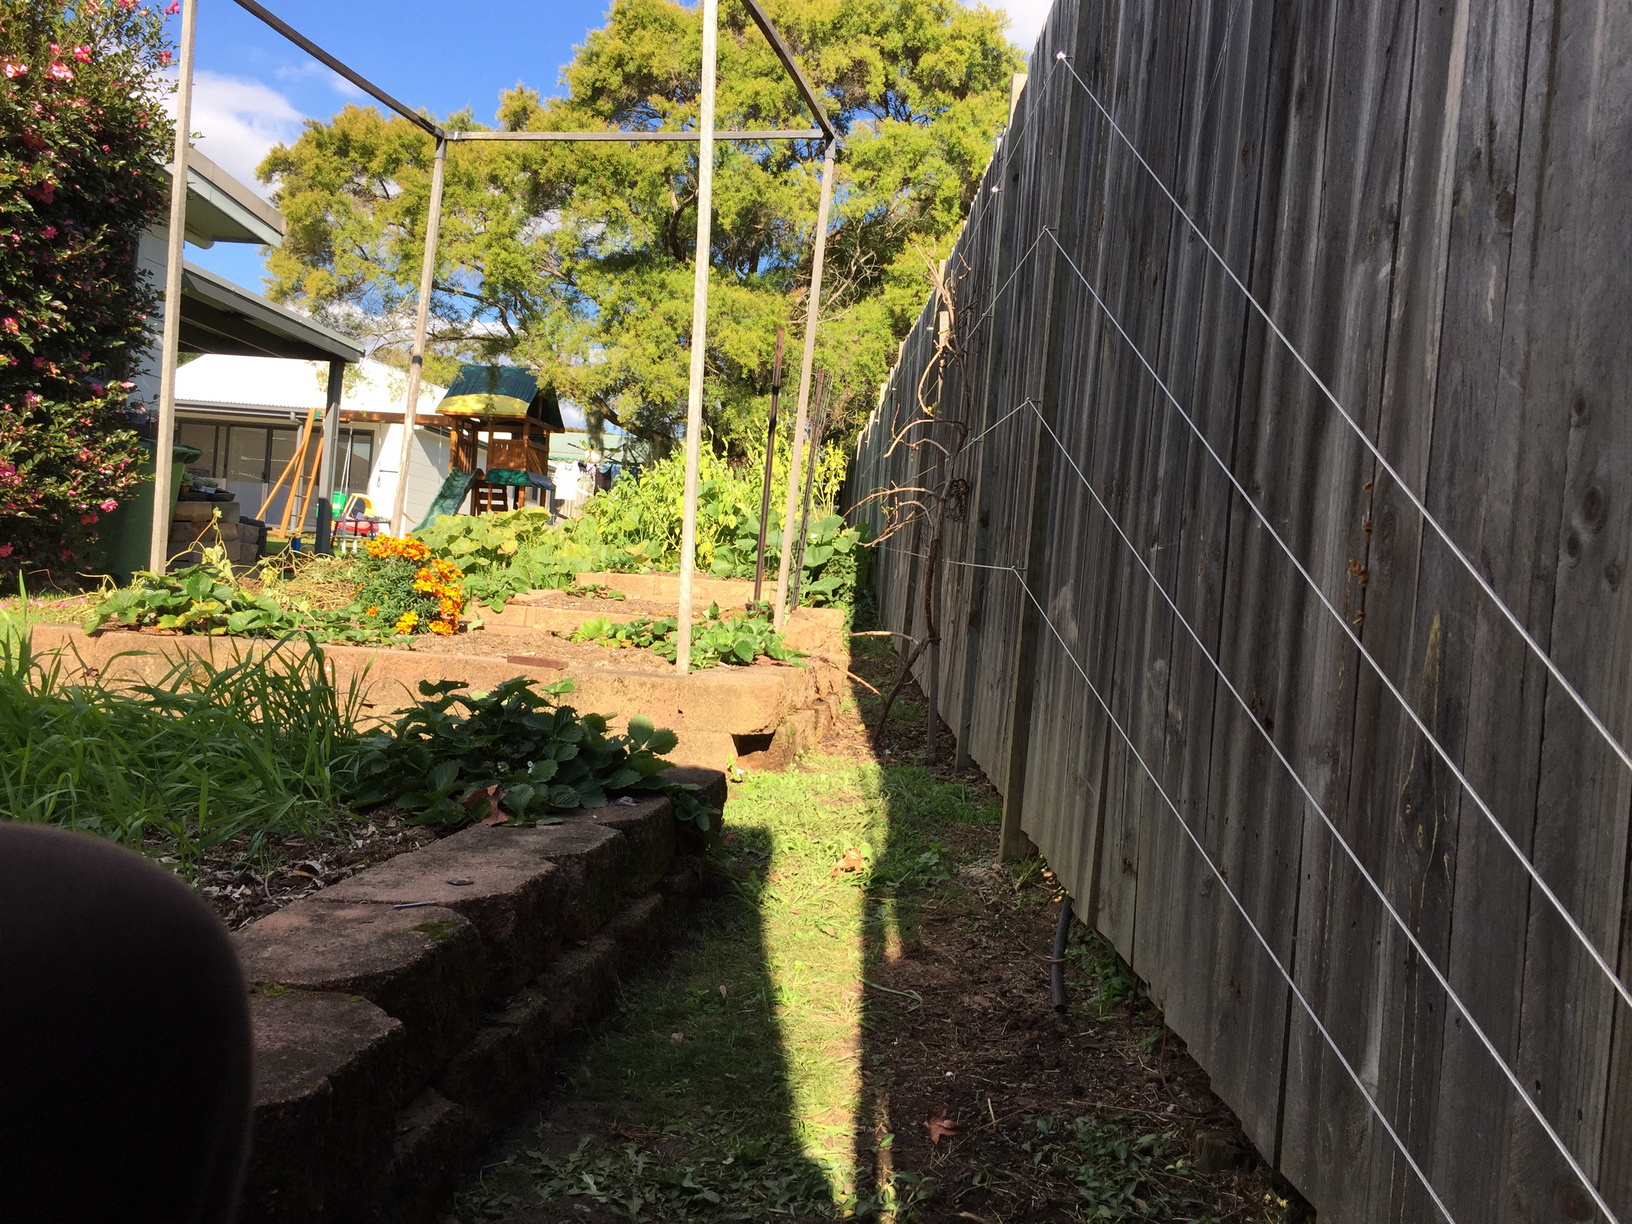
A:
(402, 1015)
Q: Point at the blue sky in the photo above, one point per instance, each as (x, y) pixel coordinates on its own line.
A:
(253, 88)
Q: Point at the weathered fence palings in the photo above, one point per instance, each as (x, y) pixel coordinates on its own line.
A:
(1429, 203)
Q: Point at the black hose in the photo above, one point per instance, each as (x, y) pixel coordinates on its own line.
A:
(1062, 932)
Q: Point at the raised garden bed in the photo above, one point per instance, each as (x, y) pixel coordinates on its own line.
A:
(758, 716)
(404, 1014)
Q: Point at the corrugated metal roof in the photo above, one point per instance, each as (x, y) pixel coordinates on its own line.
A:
(287, 384)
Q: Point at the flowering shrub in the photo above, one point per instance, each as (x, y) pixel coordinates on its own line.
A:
(404, 587)
(81, 176)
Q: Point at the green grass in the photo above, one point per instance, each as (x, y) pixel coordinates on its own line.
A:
(205, 754)
(736, 1077)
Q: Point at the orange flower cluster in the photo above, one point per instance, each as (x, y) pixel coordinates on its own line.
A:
(441, 579)
(408, 548)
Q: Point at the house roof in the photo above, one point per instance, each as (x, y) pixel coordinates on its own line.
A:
(218, 316)
(222, 209)
(256, 385)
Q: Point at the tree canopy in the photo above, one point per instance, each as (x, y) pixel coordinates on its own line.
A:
(575, 259)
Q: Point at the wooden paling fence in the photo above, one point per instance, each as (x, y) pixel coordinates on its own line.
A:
(1275, 410)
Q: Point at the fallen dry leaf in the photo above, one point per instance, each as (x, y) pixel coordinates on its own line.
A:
(938, 1124)
(850, 862)
(489, 795)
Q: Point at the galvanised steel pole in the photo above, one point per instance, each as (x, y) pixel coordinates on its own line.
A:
(812, 311)
(158, 552)
(699, 332)
(416, 361)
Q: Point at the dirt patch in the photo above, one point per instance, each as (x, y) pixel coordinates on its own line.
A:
(1010, 1110)
(503, 643)
(244, 882)
(1016, 1112)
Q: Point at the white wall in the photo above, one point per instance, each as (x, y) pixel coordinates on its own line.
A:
(427, 467)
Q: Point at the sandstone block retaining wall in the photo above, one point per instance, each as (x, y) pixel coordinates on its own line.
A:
(404, 1014)
(763, 716)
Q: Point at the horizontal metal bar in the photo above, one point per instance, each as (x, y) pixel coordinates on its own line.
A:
(777, 134)
(356, 78)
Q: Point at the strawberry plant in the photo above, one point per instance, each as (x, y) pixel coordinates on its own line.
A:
(513, 755)
(738, 640)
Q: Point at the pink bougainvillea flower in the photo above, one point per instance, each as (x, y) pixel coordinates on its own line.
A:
(9, 324)
(164, 58)
(14, 69)
(31, 398)
(49, 232)
(82, 54)
(109, 506)
(5, 550)
(97, 388)
(60, 72)
(175, 7)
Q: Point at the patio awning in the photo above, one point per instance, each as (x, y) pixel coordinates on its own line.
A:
(219, 317)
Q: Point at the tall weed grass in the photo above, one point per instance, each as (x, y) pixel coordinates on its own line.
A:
(262, 747)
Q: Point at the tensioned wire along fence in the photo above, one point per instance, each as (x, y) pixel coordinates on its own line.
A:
(1282, 595)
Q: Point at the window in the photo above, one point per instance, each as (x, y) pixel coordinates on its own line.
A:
(356, 459)
(203, 437)
(246, 457)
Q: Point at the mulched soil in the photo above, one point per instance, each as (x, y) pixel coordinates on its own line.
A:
(244, 884)
(537, 643)
(987, 1052)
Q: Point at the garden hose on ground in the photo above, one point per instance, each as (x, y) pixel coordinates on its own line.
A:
(1056, 963)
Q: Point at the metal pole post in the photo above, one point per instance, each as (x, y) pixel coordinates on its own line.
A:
(813, 305)
(331, 455)
(416, 362)
(817, 423)
(699, 332)
(770, 459)
(158, 553)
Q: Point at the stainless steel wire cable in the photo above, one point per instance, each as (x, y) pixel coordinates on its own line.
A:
(1235, 900)
(1348, 850)
(1427, 516)
(1507, 838)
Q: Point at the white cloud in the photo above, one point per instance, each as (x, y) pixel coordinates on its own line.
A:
(240, 120)
(311, 70)
(1026, 18)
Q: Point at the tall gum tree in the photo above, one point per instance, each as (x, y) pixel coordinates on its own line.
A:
(576, 259)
